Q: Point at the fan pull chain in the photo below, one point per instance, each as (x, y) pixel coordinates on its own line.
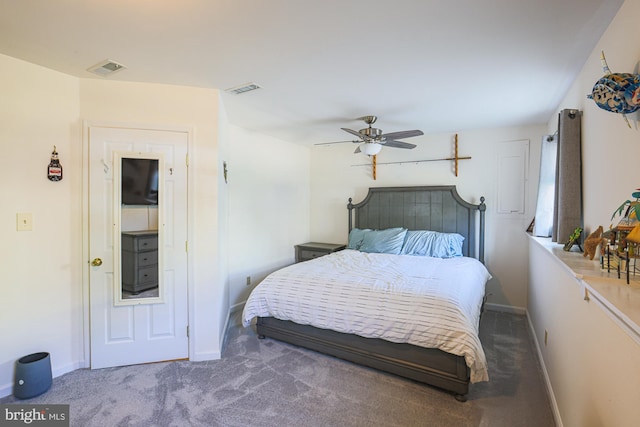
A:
(456, 154)
(374, 161)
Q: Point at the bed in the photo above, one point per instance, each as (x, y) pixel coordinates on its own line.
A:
(352, 331)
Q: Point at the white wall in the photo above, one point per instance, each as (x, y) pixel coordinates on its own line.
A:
(42, 307)
(334, 179)
(592, 365)
(41, 288)
(610, 149)
(269, 207)
(42, 304)
(154, 104)
(223, 213)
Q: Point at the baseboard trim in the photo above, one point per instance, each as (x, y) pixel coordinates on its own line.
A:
(552, 397)
(212, 355)
(204, 356)
(236, 307)
(230, 312)
(506, 308)
(6, 390)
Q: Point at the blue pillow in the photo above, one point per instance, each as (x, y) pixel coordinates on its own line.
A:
(388, 241)
(433, 244)
(356, 238)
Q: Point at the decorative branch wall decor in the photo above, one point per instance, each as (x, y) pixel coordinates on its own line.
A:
(616, 92)
(455, 159)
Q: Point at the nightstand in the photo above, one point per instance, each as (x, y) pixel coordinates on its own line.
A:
(312, 250)
(139, 261)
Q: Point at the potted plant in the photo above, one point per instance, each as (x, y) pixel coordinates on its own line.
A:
(631, 208)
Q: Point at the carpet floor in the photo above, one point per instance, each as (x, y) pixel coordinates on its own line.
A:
(269, 383)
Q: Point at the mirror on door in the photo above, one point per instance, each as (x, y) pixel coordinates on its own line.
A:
(137, 252)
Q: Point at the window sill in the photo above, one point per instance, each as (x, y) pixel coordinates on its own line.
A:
(621, 302)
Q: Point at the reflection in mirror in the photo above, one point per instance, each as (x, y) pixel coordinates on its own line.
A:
(139, 264)
(139, 218)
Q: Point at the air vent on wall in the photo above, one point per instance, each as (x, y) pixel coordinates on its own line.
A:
(106, 68)
(243, 88)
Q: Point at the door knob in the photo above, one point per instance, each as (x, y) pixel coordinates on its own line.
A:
(97, 262)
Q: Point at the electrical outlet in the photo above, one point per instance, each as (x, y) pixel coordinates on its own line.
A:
(248, 280)
(546, 337)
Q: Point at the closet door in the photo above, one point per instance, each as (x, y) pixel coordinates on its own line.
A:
(129, 328)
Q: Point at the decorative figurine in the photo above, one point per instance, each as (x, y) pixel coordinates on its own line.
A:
(631, 211)
(54, 171)
(574, 239)
(616, 92)
(592, 242)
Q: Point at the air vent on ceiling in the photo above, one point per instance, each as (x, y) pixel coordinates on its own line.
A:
(243, 88)
(106, 68)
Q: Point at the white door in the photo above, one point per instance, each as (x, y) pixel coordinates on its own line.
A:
(149, 326)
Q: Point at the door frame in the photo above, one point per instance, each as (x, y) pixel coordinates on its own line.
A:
(86, 125)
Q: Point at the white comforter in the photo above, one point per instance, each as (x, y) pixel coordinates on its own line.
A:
(428, 302)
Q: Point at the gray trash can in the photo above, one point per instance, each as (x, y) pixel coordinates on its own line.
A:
(33, 375)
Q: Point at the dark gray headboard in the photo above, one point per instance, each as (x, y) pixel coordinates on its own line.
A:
(437, 208)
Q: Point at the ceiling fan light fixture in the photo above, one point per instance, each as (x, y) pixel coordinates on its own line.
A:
(370, 148)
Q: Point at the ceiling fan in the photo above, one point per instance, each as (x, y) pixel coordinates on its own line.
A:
(372, 139)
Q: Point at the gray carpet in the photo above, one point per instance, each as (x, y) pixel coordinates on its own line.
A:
(269, 383)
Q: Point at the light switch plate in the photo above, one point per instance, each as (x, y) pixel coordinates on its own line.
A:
(24, 222)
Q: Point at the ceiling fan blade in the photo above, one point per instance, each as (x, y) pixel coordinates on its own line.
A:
(353, 132)
(399, 144)
(357, 150)
(336, 142)
(403, 134)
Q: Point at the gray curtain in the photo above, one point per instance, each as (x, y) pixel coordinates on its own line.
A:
(568, 195)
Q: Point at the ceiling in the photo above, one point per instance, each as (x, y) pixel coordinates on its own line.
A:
(439, 66)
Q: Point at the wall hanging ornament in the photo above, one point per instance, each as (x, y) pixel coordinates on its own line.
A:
(455, 159)
(54, 171)
(616, 92)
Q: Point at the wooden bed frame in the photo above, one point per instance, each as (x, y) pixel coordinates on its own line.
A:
(437, 208)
